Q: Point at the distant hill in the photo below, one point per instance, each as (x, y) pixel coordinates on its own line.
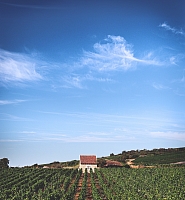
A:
(57, 164)
(141, 157)
(176, 157)
(151, 157)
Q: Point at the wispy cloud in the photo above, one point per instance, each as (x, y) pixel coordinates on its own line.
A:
(173, 30)
(173, 60)
(89, 137)
(113, 54)
(7, 102)
(160, 86)
(28, 132)
(9, 117)
(77, 80)
(31, 6)
(17, 67)
(72, 81)
(169, 135)
(11, 140)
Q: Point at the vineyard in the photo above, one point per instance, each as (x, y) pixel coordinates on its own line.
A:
(106, 183)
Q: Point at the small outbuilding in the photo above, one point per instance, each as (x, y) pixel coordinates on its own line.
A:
(88, 162)
(113, 163)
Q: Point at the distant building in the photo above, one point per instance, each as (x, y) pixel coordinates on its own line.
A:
(112, 163)
(88, 162)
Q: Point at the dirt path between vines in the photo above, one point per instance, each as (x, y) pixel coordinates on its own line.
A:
(132, 165)
(79, 187)
(130, 161)
(88, 188)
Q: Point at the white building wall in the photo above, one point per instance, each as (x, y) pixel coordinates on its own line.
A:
(88, 166)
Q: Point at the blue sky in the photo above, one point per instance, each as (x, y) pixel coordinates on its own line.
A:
(90, 77)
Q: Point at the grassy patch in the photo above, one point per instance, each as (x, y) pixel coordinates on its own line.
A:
(165, 158)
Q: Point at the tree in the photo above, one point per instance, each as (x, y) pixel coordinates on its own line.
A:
(101, 162)
(4, 163)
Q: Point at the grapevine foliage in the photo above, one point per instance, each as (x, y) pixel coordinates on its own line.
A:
(111, 184)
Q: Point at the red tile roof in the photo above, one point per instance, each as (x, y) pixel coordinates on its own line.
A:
(85, 159)
(113, 163)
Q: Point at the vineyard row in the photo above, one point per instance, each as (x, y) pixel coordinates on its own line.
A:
(104, 184)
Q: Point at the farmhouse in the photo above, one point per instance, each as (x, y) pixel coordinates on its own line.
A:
(88, 162)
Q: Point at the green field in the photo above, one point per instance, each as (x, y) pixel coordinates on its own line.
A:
(111, 184)
(166, 158)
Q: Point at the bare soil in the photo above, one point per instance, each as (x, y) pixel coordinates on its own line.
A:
(89, 189)
(79, 187)
(133, 166)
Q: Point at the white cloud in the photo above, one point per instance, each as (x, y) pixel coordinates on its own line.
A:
(7, 102)
(77, 80)
(9, 117)
(31, 6)
(17, 67)
(11, 140)
(114, 54)
(73, 81)
(160, 86)
(28, 132)
(169, 135)
(89, 138)
(173, 30)
(173, 60)
(98, 133)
